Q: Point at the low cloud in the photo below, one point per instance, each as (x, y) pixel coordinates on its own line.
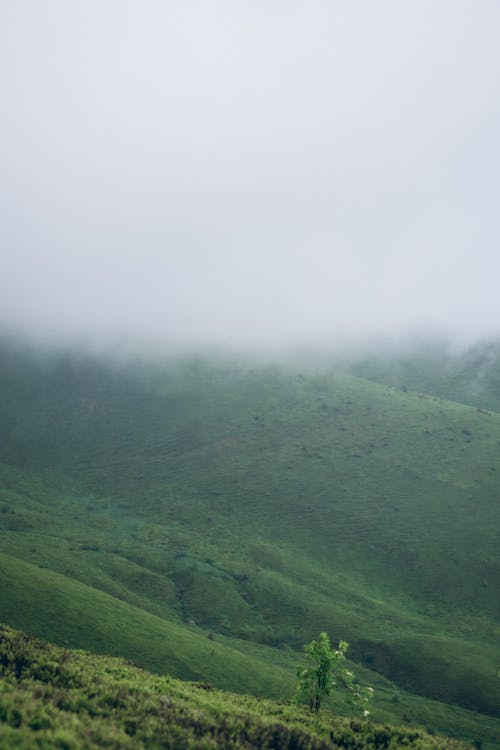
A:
(253, 176)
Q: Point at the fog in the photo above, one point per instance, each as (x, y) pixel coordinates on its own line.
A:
(249, 175)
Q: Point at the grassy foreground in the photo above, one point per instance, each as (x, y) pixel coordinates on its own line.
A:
(56, 698)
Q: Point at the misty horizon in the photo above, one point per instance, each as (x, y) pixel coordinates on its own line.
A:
(265, 178)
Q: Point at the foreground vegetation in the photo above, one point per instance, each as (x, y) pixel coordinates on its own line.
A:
(55, 698)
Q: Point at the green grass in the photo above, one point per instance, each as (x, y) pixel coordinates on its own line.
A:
(73, 615)
(68, 612)
(265, 505)
(55, 698)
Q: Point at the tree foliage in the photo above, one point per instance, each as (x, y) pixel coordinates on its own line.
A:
(324, 669)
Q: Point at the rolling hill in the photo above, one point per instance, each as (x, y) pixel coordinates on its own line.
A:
(241, 509)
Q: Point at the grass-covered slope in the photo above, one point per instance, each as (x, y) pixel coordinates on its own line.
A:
(55, 698)
(53, 606)
(74, 615)
(266, 505)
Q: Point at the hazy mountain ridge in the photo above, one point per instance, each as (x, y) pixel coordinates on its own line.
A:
(469, 375)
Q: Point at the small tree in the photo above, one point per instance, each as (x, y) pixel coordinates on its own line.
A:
(315, 678)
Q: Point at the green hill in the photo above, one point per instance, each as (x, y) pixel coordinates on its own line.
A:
(263, 505)
(78, 616)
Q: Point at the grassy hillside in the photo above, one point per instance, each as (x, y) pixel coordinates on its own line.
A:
(264, 505)
(71, 613)
(55, 698)
(74, 615)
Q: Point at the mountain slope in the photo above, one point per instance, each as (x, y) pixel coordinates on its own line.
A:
(50, 605)
(267, 505)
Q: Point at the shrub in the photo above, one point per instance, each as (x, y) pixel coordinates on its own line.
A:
(322, 664)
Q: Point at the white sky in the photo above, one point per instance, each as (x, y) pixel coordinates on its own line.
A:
(248, 173)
